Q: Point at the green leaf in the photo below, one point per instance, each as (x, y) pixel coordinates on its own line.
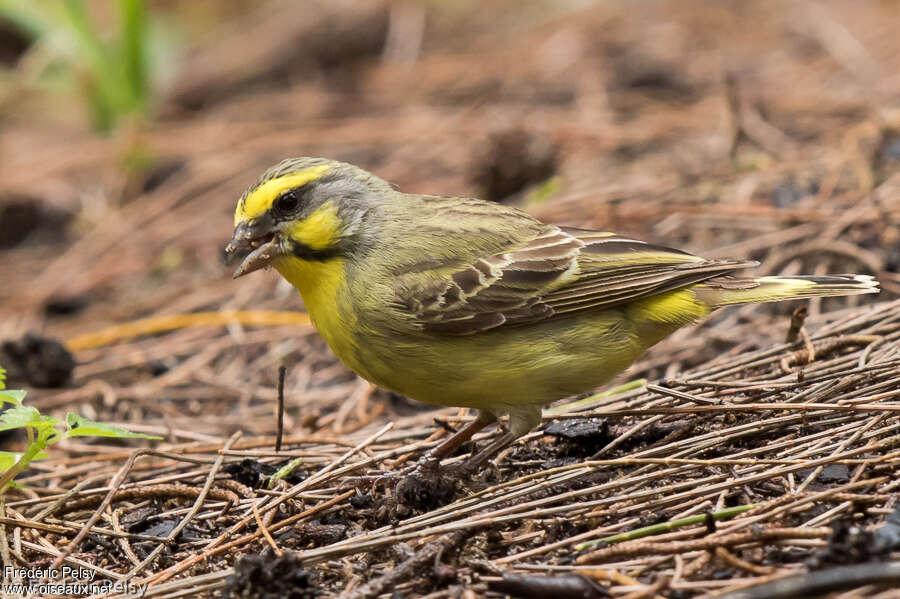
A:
(82, 427)
(24, 416)
(8, 459)
(13, 396)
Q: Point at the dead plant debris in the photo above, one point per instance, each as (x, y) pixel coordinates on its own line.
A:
(786, 156)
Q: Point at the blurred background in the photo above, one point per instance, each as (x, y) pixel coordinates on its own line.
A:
(128, 129)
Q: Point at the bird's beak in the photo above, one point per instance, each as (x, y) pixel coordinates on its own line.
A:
(257, 245)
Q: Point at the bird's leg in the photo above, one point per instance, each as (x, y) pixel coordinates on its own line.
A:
(429, 462)
(457, 439)
(471, 465)
(521, 421)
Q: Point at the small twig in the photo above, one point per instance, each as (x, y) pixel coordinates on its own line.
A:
(71, 560)
(4, 542)
(567, 586)
(64, 528)
(66, 497)
(633, 549)
(611, 576)
(681, 395)
(198, 502)
(151, 492)
(316, 478)
(205, 491)
(123, 540)
(694, 566)
(753, 407)
(655, 529)
(650, 591)
(807, 343)
(265, 531)
(281, 372)
(797, 320)
(117, 481)
(164, 575)
(843, 445)
(215, 548)
(736, 562)
(819, 584)
(164, 324)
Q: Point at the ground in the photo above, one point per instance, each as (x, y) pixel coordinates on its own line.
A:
(766, 131)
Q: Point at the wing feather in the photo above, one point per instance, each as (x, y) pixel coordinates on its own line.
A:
(560, 271)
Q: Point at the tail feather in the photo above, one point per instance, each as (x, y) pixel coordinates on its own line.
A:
(728, 291)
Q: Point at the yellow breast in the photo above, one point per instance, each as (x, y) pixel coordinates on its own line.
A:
(322, 286)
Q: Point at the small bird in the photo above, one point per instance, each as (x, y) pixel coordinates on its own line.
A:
(456, 301)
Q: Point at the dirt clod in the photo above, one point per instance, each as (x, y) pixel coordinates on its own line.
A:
(582, 437)
(254, 473)
(513, 160)
(37, 361)
(268, 576)
(426, 491)
(24, 217)
(732, 130)
(66, 305)
(853, 544)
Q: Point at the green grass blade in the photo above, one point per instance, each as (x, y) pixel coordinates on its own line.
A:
(587, 401)
(107, 92)
(133, 44)
(662, 527)
(284, 471)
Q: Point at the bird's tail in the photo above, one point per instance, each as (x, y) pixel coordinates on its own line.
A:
(726, 291)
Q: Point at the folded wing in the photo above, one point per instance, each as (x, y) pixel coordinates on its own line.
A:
(559, 272)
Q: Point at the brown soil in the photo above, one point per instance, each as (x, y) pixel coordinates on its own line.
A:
(765, 130)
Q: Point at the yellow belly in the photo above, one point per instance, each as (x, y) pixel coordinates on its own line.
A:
(496, 371)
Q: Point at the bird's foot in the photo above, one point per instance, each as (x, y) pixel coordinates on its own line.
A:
(427, 467)
(428, 470)
(428, 485)
(422, 486)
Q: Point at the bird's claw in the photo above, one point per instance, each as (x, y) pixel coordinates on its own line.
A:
(426, 467)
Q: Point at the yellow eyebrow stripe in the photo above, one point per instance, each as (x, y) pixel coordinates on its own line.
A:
(260, 199)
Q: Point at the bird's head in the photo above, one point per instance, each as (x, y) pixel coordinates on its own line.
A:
(308, 208)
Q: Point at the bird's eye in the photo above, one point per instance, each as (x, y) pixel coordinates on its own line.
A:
(287, 203)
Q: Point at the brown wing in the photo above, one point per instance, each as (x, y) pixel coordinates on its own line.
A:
(560, 271)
